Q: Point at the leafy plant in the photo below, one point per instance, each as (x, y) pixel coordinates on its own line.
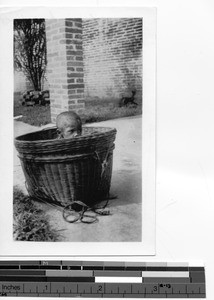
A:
(30, 49)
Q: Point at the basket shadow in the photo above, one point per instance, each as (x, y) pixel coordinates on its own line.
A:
(127, 186)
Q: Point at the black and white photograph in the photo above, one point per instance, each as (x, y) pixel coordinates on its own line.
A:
(106, 142)
(78, 109)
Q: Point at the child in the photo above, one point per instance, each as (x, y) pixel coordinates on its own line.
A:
(69, 125)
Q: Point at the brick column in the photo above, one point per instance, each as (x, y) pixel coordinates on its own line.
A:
(65, 65)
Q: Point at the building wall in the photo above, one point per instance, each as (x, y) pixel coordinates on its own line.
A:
(19, 82)
(65, 65)
(112, 57)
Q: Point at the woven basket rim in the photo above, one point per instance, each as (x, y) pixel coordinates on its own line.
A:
(19, 139)
(62, 158)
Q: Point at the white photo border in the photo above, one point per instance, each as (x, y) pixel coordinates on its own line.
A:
(8, 247)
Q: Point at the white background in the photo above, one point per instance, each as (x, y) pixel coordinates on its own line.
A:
(185, 130)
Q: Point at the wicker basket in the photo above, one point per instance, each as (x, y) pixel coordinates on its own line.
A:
(66, 170)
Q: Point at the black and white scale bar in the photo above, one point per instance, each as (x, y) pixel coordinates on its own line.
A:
(100, 276)
(101, 279)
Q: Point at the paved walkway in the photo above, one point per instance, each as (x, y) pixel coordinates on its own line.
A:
(125, 223)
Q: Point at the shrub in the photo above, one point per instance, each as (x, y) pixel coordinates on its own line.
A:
(29, 222)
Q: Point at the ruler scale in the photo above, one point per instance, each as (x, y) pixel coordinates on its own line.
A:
(101, 279)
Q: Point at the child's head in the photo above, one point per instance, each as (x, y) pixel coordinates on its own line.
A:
(69, 124)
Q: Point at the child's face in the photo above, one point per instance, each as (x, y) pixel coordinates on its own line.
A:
(69, 125)
(71, 131)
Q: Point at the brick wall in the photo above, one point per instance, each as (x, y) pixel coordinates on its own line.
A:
(112, 57)
(65, 65)
(92, 58)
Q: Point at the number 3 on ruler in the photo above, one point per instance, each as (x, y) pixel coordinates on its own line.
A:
(155, 288)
